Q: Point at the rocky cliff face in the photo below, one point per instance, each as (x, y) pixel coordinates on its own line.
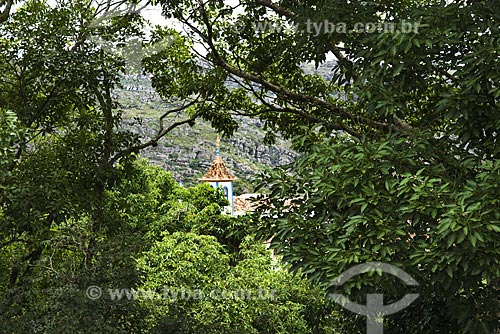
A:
(188, 152)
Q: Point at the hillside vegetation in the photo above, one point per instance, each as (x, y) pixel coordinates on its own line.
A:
(189, 150)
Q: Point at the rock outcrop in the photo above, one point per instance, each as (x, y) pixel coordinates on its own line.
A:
(187, 151)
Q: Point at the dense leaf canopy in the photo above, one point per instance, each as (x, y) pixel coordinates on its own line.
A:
(399, 143)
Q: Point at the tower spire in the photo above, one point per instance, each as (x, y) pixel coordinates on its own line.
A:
(217, 145)
(219, 176)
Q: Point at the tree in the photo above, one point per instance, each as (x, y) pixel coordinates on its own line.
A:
(202, 292)
(5, 9)
(400, 141)
(57, 83)
(210, 275)
(347, 202)
(149, 217)
(77, 208)
(64, 158)
(408, 120)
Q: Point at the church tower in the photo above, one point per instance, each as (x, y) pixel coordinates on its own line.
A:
(219, 176)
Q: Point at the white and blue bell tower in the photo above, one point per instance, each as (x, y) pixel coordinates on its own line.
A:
(218, 176)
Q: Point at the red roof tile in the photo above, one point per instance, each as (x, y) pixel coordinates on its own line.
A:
(218, 172)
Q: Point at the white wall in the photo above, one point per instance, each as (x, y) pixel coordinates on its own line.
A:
(230, 195)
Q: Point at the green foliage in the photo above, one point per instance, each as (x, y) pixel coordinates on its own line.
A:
(202, 292)
(349, 201)
(400, 143)
(400, 164)
(180, 239)
(10, 134)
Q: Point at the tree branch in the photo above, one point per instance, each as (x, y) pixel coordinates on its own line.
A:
(278, 90)
(277, 8)
(4, 15)
(289, 14)
(297, 111)
(160, 134)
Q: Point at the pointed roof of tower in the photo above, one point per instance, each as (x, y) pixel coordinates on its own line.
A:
(218, 171)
